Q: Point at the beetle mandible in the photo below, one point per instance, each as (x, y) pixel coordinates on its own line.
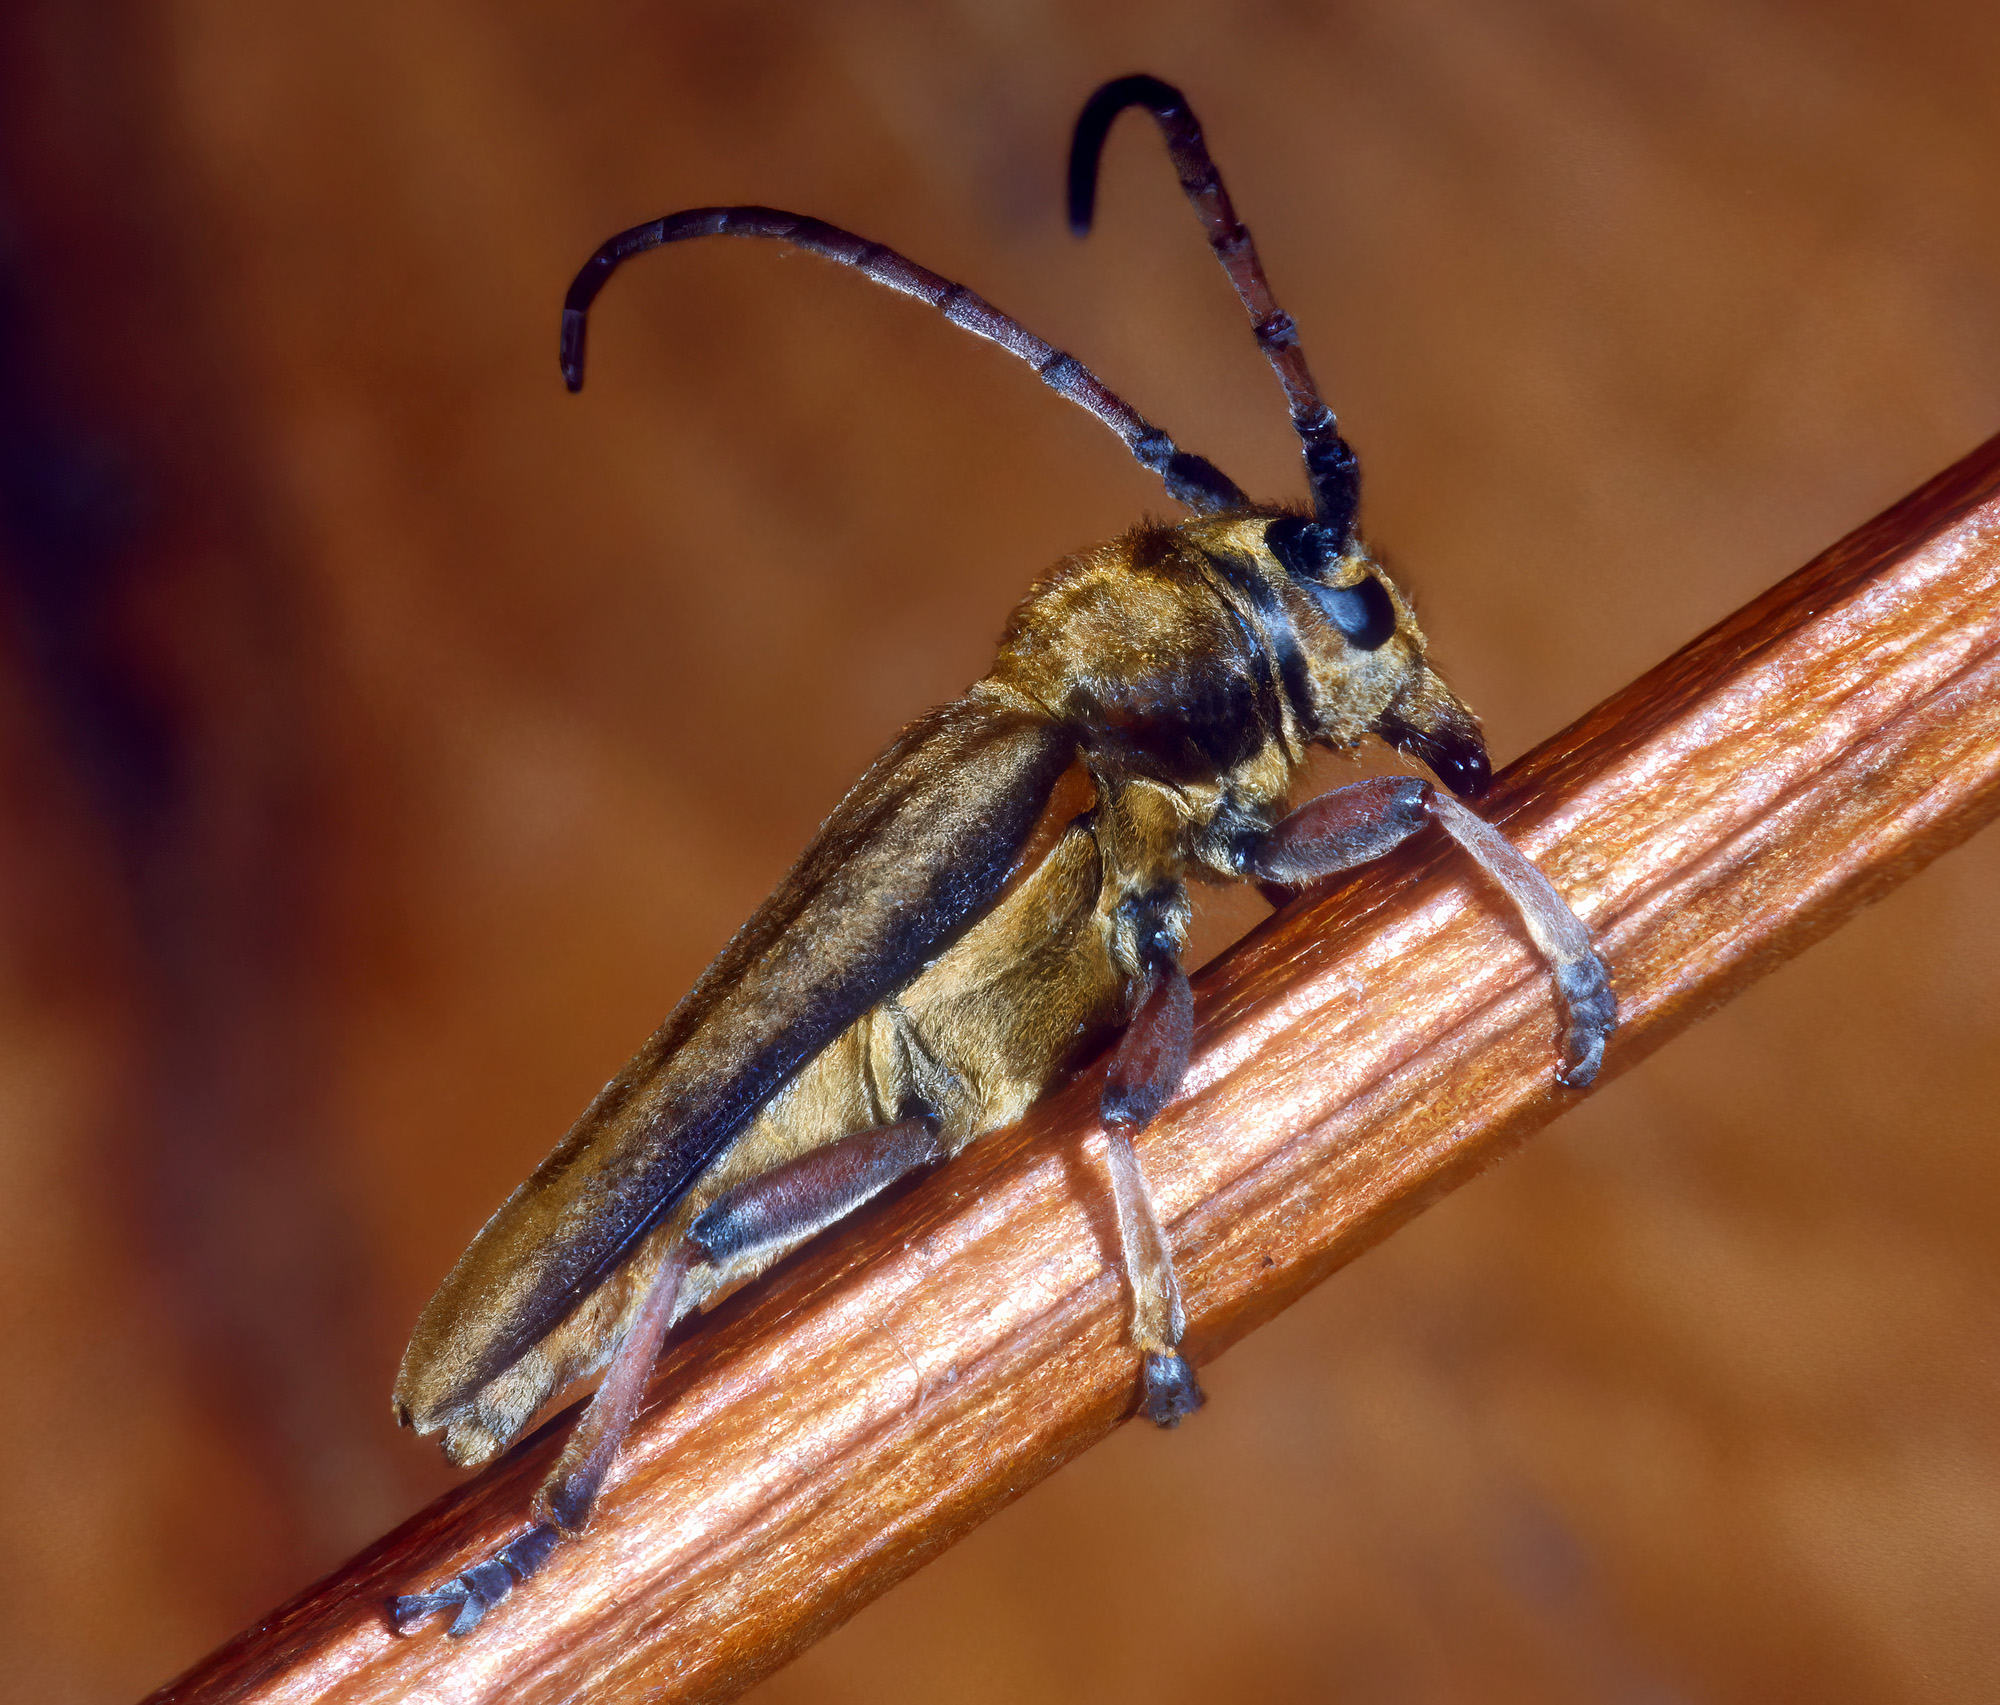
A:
(1002, 892)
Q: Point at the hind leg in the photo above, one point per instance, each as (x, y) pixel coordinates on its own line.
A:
(563, 1503)
(778, 1208)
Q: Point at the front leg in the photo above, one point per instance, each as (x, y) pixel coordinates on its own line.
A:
(1352, 825)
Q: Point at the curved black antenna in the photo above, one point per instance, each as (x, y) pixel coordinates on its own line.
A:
(1330, 463)
(1189, 478)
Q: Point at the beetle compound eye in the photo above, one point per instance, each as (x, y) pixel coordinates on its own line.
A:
(1362, 611)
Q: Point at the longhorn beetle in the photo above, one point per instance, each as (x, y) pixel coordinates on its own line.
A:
(1004, 890)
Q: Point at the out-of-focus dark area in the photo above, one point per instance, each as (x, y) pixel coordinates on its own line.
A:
(387, 739)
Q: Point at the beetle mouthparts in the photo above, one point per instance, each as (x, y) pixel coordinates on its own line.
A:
(1452, 749)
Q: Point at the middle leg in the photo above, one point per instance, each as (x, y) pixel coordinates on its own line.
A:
(1147, 1066)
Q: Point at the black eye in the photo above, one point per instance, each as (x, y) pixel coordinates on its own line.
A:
(1362, 612)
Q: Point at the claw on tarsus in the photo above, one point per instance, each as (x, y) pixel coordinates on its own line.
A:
(1169, 1391)
(478, 1589)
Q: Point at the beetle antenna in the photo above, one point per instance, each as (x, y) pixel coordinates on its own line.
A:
(1190, 479)
(1330, 463)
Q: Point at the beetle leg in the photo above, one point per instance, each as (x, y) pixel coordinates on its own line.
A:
(1582, 978)
(477, 1590)
(562, 1504)
(1146, 1068)
(565, 1498)
(1352, 825)
(1151, 1057)
(794, 1200)
(1338, 830)
(781, 1206)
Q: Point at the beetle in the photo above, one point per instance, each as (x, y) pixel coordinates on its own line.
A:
(1002, 893)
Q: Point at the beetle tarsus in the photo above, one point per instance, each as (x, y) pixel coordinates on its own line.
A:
(1585, 986)
(472, 1593)
(1170, 1392)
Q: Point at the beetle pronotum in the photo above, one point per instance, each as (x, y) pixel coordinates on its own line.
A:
(1001, 893)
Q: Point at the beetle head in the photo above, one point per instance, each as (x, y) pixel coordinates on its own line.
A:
(1365, 653)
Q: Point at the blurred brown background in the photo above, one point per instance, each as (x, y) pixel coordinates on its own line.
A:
(387, 739)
